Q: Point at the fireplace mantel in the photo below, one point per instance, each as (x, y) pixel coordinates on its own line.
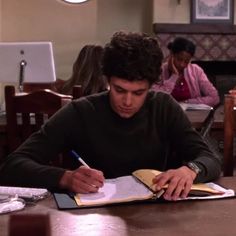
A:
(194, 28)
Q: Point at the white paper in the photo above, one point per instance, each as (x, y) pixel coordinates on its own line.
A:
(117, 190)
(227, 193)
(189, 106)
(30, 193)
(14, 204)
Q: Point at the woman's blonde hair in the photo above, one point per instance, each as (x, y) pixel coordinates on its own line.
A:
(87, 72)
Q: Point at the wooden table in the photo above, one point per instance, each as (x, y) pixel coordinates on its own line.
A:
(197, 117)
(219, 118)
(190, 218)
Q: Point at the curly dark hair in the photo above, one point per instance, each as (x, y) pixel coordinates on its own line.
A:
(133, 56)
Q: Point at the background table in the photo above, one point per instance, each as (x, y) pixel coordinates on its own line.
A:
(197, 117)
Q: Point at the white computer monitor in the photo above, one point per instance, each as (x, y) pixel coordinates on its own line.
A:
(39, 66)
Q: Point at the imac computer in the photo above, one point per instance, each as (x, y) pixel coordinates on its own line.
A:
(26, 62)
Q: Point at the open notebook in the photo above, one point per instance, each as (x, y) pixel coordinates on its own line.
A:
(139, 187)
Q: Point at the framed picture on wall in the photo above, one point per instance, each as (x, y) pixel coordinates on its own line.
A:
(213, 11)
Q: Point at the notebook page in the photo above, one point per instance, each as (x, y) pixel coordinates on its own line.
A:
(122, 189)
(226, 193)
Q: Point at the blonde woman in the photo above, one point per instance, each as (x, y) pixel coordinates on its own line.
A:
(87, 72)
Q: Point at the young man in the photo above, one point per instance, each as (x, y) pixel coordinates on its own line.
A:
(117, 132)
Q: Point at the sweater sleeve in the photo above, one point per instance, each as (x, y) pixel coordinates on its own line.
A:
(188, 143)
(208, 93)
(30, 165)
(167, 82)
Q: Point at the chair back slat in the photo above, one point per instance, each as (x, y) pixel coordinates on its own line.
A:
(26, 128)
(77, 91)
(40, 119)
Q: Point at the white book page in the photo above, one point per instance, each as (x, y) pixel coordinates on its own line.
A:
(122, 189)
(227, 193)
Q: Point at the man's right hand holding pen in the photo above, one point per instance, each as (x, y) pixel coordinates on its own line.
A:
(82, 180)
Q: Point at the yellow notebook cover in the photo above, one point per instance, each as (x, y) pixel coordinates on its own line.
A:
(146, 176)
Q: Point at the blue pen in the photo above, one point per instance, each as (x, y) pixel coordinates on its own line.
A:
(79, 158)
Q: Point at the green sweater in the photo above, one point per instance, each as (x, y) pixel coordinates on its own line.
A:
(159, 136)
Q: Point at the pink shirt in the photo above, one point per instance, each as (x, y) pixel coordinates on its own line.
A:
(200, 88)
(181, 91)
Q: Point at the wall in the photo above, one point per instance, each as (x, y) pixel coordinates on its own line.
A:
(129, 15)
(69, 26)
(0, 20)
(169, 11)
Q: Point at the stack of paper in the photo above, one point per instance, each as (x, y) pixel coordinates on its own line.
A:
(189, 106)
(32, 194)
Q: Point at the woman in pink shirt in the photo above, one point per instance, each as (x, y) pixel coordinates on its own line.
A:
(186, 82)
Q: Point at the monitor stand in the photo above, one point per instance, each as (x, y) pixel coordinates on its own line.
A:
(23, 64)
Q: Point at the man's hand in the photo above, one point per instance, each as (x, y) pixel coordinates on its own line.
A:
(82, 180)
(179, 182)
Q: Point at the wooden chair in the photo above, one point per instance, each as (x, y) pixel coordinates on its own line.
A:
(29, 224)
(77, 91)
(229, 133)
(30, 87)
(26, 112)
(232, 91)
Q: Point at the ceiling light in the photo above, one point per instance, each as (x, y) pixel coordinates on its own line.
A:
(75, 1)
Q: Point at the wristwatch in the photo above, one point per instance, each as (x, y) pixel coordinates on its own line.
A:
(194, 167)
